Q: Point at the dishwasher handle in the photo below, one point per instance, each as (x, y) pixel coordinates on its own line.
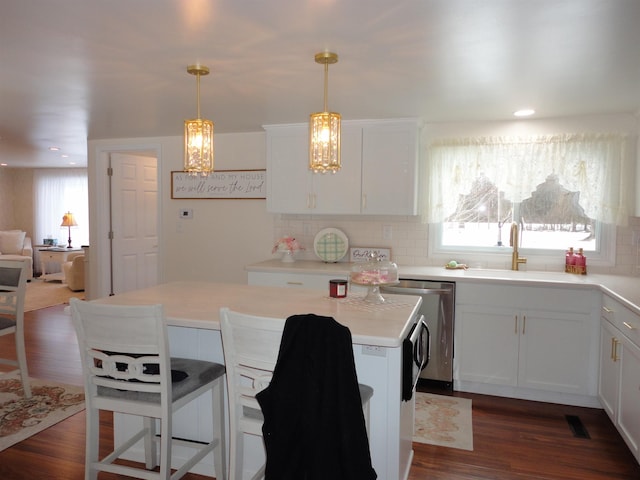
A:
(417, 291)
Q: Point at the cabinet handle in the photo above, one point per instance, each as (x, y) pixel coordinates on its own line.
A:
(309, 200)
(295, 283)
(607, 310)
(364, 201)
(524, 323)
(629, 326)
(515, 324)
(614, 349)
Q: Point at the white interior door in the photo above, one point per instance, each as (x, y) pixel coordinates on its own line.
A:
(134, 221)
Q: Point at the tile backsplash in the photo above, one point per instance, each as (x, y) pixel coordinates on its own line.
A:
(408, 239)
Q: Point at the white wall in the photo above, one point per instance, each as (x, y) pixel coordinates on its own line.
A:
(16, 195)
(222, 237)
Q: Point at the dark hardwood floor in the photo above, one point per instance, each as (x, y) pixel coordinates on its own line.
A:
(513, 439)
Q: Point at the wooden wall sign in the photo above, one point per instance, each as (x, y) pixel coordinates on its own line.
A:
(362, 254)
(229, 184)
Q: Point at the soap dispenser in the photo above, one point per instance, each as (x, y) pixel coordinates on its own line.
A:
(569, 261)
(581, 262)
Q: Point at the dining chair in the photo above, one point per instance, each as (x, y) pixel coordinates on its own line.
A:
(252, 346)
(127, 369)
(13, 288)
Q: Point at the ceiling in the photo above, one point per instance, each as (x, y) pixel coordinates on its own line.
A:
(72, 70)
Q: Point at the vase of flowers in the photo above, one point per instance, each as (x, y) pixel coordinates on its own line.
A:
(287, 246)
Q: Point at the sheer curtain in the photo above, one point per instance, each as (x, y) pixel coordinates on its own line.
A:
(596, 165)
(57, 191)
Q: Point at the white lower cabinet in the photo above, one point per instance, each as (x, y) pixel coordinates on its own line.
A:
(527, 342)
(486, 345)
(619, 385)
(629, 407)
(554, 351)
(609, 378)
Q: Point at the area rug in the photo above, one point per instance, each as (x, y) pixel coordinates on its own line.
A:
(49, 404)
(443, 421)
(41, 294)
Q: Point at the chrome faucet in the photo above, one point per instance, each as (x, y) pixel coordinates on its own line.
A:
(514, 240)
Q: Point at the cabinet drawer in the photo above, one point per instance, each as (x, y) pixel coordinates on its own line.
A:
(522, 297)
(297, 280)
(627, 321)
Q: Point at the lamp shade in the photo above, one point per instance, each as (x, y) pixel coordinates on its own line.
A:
(324, 128)
(198, 135)
(198, 146)
(68, 220)
(324, 142)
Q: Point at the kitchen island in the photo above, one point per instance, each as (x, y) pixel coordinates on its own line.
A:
(192, 311)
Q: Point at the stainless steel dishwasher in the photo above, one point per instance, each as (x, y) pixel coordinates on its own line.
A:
(438, 304)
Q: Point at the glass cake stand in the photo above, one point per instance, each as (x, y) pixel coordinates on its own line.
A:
(373, 291)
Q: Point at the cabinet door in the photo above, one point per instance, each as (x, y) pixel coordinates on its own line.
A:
(389, 165)
(293, 188)
(288, 176)
(609, 379)
(552, 351)
(629, 409)
(486, 344)
(340, 192)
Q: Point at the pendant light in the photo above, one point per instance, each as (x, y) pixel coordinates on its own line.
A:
(324, 128)
(198, 135)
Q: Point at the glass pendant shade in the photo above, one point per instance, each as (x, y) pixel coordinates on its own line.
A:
(198, 135)
(324, 128)
(198, 146)
(324, 142)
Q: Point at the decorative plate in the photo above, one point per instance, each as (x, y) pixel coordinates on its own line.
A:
(331, 245)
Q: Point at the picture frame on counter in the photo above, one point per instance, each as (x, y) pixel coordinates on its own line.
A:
(221, 184)
(363, 254)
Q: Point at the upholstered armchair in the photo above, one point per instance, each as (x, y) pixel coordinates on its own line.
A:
(15, 245)
(73, 270)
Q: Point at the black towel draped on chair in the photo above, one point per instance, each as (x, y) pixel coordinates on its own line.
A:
(314, 427)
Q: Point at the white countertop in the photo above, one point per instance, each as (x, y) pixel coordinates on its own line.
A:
(624, 288)
(197, 305)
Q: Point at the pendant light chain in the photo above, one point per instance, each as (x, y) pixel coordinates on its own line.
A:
(326, 86)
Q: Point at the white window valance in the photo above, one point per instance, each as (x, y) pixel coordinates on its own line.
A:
(596, 165)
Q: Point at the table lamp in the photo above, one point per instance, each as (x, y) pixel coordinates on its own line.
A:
(68, 220)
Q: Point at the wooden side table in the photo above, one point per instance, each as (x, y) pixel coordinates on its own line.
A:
(55, 255)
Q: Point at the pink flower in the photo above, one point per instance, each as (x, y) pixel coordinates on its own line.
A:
(287, 244)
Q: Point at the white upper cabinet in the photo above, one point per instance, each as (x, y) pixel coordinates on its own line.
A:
(293, 188)
(389, 164)
(378, 174)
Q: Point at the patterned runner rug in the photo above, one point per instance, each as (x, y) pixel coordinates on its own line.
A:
(41, 294)
(49, 404)
(444, 421)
